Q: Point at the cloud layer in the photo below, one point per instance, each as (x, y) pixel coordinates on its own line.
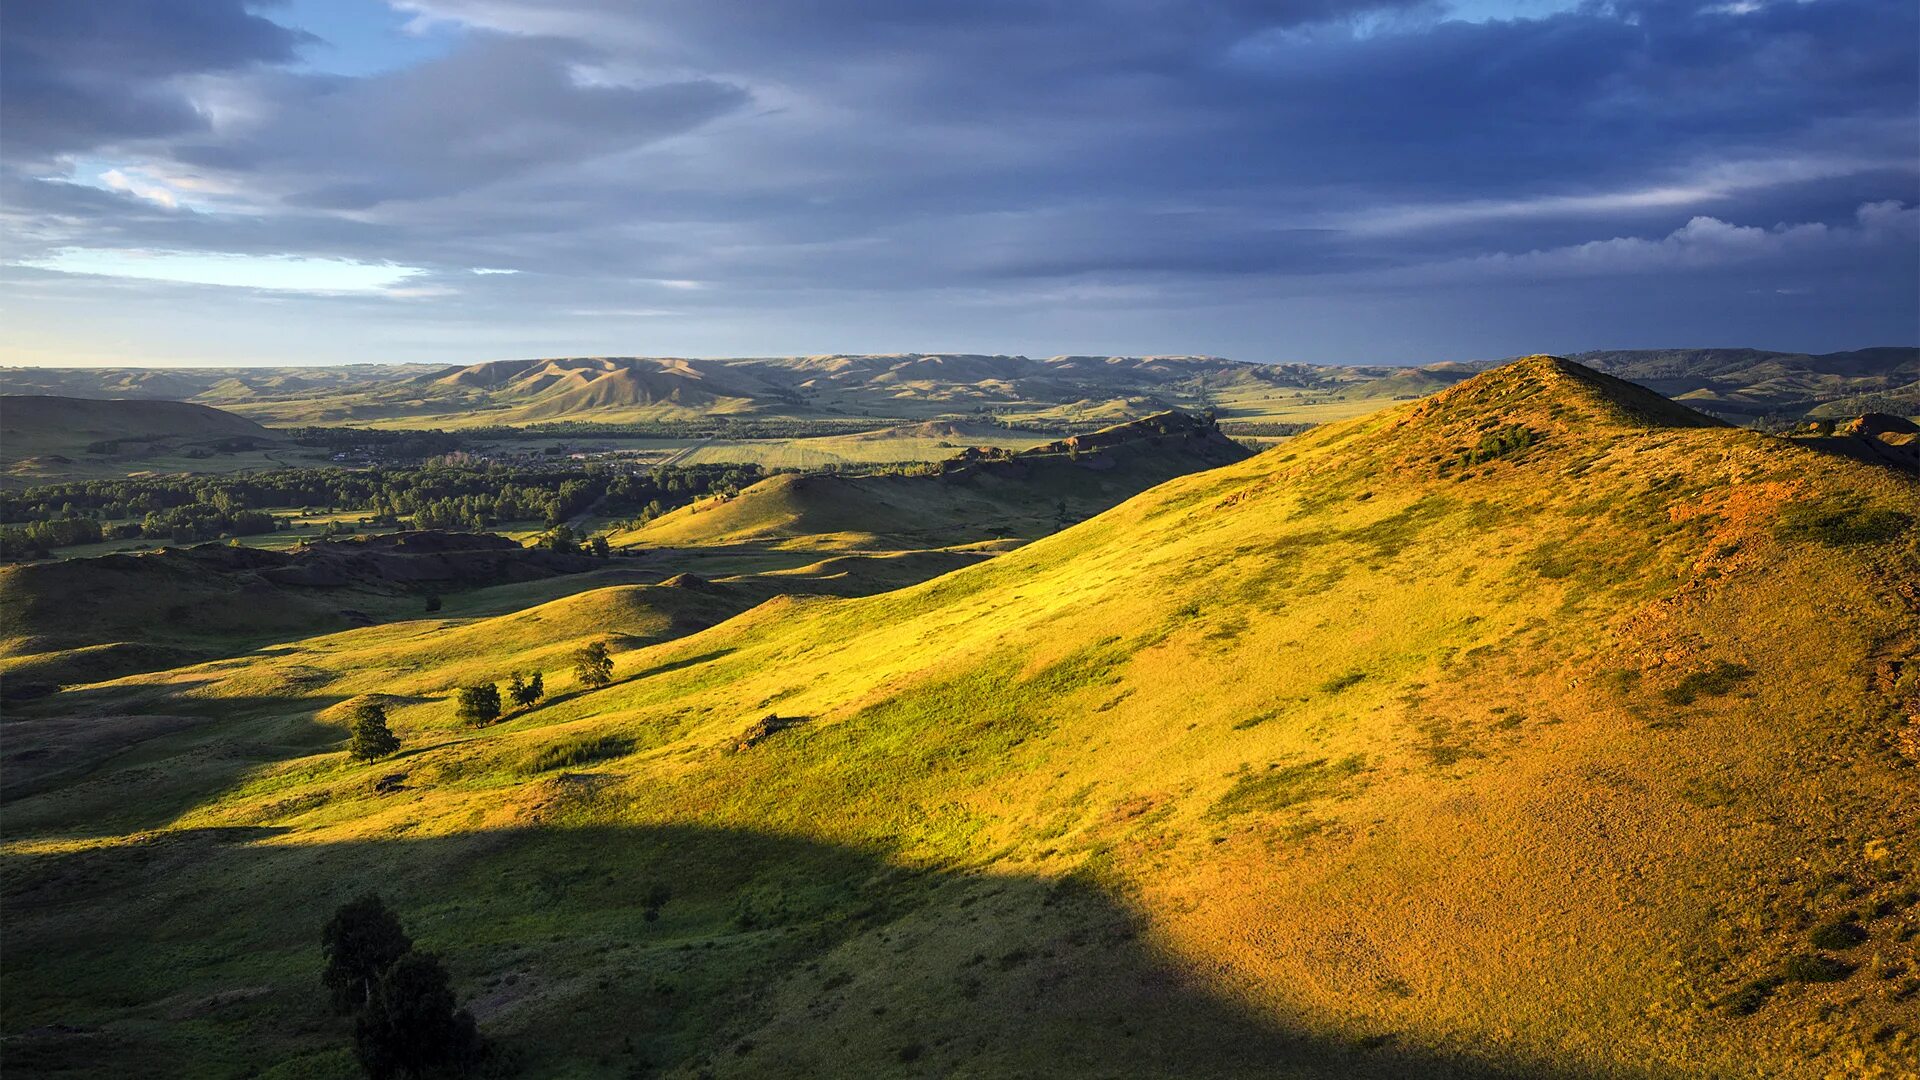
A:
(1318, 179)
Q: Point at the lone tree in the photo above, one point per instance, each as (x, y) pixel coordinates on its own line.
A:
(599, 546)
(410, 1024)
(524, 691)
(592, 666)
(480, 704)
(372, 738)
(360, 942)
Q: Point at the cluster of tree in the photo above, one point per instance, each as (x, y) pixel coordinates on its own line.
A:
(482, 704)
(405, 445)
(563, 539)
(406, 1020)
(32, 540)
(179, 524)
(459, 496)
(718, 427)
(1264, 429)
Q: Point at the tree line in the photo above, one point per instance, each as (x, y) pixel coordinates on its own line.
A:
(370, 737)
(465, 496)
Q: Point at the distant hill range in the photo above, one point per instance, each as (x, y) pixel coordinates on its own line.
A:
(1734, 383)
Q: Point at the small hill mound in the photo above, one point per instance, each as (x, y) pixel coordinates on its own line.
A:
(45, 438)
(1873, 438)
(43, 425)
(977, 495)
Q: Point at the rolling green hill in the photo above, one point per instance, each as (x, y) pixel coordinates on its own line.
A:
(67, 437)
(1538, 728)
(970, 498)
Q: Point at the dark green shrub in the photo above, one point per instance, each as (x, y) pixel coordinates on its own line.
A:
(577, 751)
(1840, 526)
(1815, 968)
(360, 942)
(1341, 682)
(1499, 443)
(1713, 682)
(1838, 934)
(1278, 788)
(1747, 1000)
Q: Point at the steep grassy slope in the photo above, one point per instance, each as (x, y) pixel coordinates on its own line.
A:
(1531, 729)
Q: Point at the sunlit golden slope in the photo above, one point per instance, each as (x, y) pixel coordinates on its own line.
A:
(1533, 729)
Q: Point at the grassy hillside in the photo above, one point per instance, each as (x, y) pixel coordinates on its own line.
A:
(1537, 728)
(967, 499)
(43, 438)
(79, 620)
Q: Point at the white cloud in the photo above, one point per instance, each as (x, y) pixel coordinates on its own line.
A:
(1701, 243)
(278, 273)
(1717, 181)
(140, 187)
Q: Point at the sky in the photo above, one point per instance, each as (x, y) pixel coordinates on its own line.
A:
(1382, 181)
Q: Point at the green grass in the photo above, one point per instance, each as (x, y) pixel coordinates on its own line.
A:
(1278, 787)
(581, 750)
(1841, 525)
(1719, 679)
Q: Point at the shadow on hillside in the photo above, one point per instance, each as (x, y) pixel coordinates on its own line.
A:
(1866, 449)
(771, 956)
(109, 759)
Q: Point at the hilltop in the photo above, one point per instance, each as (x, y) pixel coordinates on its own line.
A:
(1537, 728)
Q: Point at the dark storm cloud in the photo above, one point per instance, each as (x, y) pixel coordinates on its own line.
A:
(498, 108)
(689, 154)
(75, 74)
